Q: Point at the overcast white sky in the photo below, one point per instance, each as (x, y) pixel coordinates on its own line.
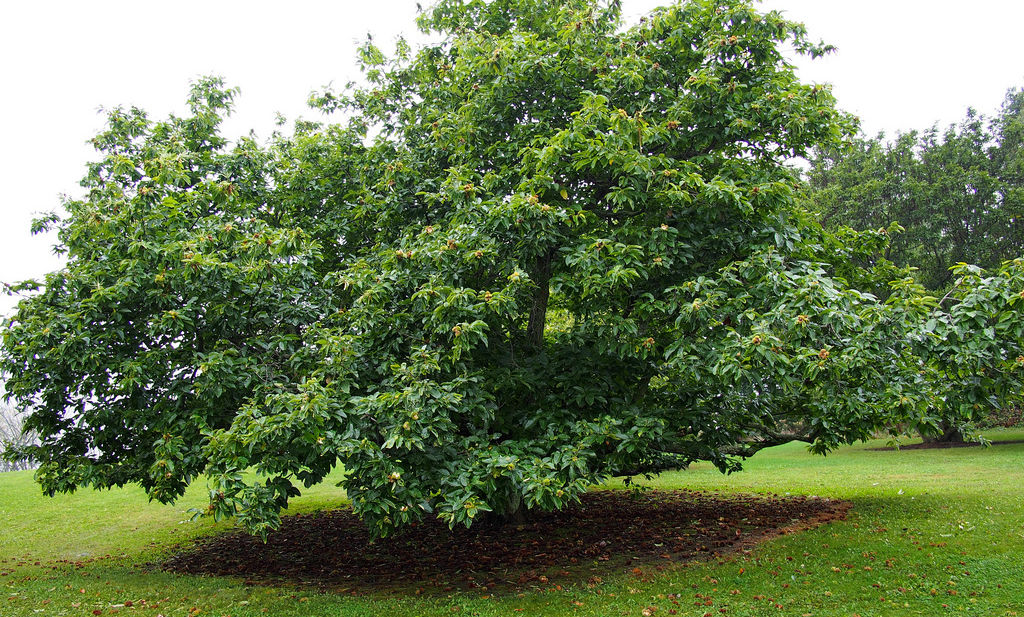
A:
(902, 64)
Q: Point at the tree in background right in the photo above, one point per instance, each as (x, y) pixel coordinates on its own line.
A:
(958, 194)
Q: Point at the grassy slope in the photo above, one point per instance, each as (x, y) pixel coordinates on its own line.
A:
(929, 528)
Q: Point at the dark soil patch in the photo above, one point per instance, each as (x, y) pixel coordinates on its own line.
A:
(609, 532)
(944, 444)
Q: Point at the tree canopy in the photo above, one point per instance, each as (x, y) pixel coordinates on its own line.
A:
(542, 251)
(958, 193)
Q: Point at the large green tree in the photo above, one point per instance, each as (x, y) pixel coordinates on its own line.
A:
(539, 252)
(958, 194)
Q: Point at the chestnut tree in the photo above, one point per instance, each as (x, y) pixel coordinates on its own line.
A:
(538, 252)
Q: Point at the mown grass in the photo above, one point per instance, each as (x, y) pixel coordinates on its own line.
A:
(933, 532)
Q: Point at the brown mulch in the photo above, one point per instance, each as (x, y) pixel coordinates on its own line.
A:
(944, 444)
(609, 532)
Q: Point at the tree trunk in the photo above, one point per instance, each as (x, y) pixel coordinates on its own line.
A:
(948, 434)
(541, 276)
(514, 511)
(516, 517)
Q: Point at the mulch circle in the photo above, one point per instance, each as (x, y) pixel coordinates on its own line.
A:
(610, 531)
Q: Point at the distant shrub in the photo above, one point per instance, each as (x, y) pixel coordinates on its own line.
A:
(1007, 417)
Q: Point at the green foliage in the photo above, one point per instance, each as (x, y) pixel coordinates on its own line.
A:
(975, 346)
(956, 193)
(183, 291)
(376, 293)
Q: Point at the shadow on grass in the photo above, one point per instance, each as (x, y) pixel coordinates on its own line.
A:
(940, 445)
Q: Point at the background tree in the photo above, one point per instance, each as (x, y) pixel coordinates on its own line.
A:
(971, 350)
(956, 193)
(538, 253)
(12, 438)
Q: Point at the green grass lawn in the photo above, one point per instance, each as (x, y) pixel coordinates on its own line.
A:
(932, 532)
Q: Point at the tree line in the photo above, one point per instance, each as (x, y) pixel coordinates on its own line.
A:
(956, 195)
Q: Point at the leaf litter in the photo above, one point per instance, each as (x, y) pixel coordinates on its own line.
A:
(608, 533)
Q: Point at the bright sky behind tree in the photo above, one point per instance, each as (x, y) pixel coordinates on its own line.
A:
(902, 64)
